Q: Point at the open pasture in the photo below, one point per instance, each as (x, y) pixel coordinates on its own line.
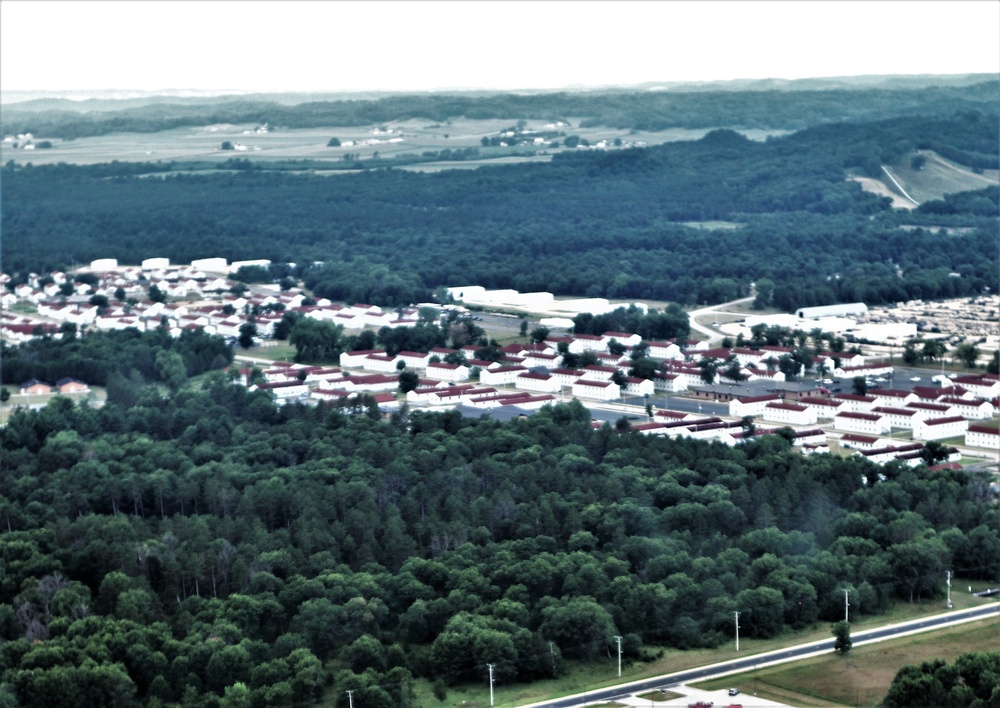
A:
(413, 137)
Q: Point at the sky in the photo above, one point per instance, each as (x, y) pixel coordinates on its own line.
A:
(410, 45)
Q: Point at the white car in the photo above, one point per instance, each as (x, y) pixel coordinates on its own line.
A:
(914, 378)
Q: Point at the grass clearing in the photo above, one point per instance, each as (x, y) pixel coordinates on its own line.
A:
(658, 696)
(94, 397)
(280, 351)
(863, 676)
(939, 177)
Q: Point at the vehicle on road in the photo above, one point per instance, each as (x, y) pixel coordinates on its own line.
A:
(914, 378)
(734, 691)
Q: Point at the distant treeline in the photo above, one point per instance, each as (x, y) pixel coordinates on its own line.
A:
(608, 224)
(647, 110)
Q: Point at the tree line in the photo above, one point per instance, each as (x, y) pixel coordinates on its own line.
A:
(622, 109)
(613, 224)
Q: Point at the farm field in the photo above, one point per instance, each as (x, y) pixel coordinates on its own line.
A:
(863, 676)
(418, 136)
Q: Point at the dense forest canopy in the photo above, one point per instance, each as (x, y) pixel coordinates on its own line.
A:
(188, 538)
(609, 224)
(627, 109)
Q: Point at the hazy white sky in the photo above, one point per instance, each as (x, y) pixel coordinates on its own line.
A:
(415, 44)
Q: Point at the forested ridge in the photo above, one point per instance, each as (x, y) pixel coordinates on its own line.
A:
(193, 536)
(608, 224)
(638, 110)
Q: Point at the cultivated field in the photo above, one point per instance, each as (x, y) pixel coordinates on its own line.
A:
(418, 136)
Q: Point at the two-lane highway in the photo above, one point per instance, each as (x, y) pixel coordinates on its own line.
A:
(769, 658)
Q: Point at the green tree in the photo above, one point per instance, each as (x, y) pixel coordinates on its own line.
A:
(578, 625)
(316, 341)
(248, 330)
(157, 295)
(859, 386)
(333, 142)
(170, 369)
(539, 334)
(968, 354)
(409, 380)
(842, 632)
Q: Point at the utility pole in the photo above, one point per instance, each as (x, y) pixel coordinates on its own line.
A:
(619, 640)
(949, 588)
(490, 667)
(552, 653)
(737, 614)
(350, 698)
(846, 604)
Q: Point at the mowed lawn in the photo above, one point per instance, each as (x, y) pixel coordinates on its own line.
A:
(861, 678)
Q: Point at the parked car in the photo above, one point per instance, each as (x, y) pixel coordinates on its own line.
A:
(734, 691)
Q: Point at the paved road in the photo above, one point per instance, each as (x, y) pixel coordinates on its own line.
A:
(769, 658)
(695, 315)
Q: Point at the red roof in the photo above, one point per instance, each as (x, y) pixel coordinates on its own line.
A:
(849, 437)
(787, 407)
(860, 416)
(944, 421)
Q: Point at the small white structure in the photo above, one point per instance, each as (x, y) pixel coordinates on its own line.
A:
(856, 403)
(503, 376)
(380, 362)
(847, 309)
(983, 386)
(447, 372)
(531, 381)
(826, 408)
(236, 265)
(751, 405)
(940, 428)
(900, 417)
(104, 264)
(789, 414)
(983, 436)
(356, 360)
(599, 390)
(211, 265)
(283, 390)
(155, 263)
(638, 387)
(859, 442)
(865, 423)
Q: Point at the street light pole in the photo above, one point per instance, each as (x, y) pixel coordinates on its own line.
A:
(737, 614)
(619, 640)
(490, 667)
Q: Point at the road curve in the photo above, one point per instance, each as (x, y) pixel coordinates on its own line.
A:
(779, 656)
(713, 335)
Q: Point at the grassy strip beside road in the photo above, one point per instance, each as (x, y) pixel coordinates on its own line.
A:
(602, 674)
(863, 676)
